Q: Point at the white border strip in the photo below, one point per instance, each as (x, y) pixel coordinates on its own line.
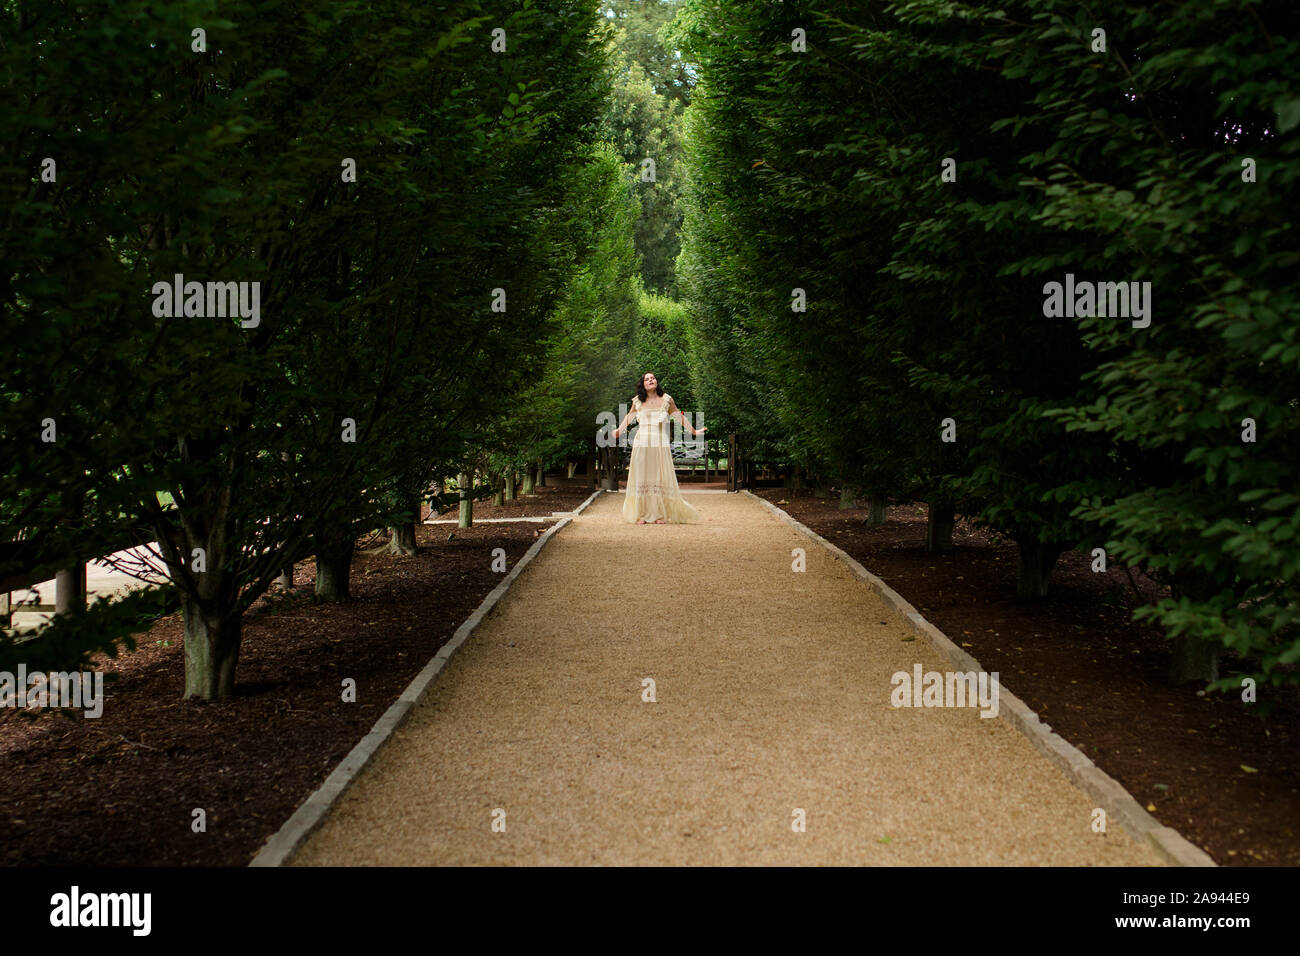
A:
(1085, 774)
(311, 814)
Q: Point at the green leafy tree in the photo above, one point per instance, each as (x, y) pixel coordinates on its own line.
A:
(642, 118)
(462, 161)
(1148, 174)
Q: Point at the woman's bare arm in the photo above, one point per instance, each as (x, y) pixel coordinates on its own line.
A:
(677, 413)
(626, 418)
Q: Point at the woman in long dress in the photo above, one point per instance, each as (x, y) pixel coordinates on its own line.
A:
(652, 492)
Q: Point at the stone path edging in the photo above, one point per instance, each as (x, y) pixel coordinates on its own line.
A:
(1118, 803)
(285, 842)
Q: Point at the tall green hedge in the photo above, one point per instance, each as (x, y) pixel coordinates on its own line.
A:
(924, 171)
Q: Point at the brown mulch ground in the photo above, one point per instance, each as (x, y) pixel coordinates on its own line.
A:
(1096, 677)
(558, 494)
(120, 789)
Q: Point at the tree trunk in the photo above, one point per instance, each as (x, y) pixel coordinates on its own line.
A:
(211, 652)
(70, 589)
(1193, 660)
(527, 489)
(1037, 559)
(611, 469)
(334, 570)
(573, 468)
(541, 475)
(465, 482)
(510, 485)
(499, 497)
(822, 490)
(732, 468)
(403, 539)
(938, 526)
(403, 535)
(848, 498)
(70, 583)
(877, 509)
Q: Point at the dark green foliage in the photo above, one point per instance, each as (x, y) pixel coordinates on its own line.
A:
(822, 171)
(376, 295)
(662, 347)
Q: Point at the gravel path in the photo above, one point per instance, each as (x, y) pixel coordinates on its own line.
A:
(773, 694)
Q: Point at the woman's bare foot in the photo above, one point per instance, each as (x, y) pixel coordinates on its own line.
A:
(659, 521)
(640, 520)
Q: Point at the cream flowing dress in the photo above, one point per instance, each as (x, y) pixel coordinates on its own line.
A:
(652, 491)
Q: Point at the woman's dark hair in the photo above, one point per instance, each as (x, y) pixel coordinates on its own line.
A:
(641, 393)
